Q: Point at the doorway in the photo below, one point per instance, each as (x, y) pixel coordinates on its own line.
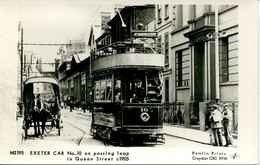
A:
(199, 72)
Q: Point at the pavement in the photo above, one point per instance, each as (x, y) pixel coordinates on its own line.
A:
(191, 134)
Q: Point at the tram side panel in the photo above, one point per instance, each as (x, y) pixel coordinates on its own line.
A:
(142, 122)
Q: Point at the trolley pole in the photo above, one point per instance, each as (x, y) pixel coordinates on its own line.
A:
(21, 60)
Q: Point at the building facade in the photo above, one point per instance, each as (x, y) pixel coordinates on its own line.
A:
(191, 81)
(74, 77)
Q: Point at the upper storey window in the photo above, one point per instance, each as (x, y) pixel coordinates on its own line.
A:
(159, 13)
(166, 11)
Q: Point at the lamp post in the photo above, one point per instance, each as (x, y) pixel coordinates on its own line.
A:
(21, 60)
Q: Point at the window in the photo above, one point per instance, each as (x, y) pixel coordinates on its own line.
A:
(159, 13)
(177, 17)
(166, 90)
(174, 16)
(97, 90)
(72, 83)
(182, 68)
(166, 10)
(179, 68)
(223, 60)
(67, 84)
(83, 79)
(159, 45)
(166, 39)
(103, 90)
(117, 90)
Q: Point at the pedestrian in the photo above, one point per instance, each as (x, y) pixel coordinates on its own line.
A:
(216, 125)
(179, 116)
(227, 124)
(208, 123)
(84, 106)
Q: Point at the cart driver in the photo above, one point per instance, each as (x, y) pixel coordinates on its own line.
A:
(37, 103)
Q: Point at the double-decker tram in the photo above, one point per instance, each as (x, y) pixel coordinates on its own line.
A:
(126, 93)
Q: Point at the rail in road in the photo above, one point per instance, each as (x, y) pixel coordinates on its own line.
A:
(81, 121)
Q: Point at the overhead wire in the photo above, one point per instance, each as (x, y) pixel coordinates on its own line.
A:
(91, 21)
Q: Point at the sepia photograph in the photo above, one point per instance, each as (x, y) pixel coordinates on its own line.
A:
(118, 82)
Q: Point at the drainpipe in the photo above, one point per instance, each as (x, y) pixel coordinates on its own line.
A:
(216, 54)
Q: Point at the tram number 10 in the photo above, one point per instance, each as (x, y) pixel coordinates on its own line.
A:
(144, 109)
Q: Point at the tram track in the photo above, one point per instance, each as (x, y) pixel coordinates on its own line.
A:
(84, 132)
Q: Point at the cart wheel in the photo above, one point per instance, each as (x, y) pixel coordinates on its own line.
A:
(48, 128)
(59, 121)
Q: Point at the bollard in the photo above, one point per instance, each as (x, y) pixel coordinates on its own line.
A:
(202, 115)
(187, 106)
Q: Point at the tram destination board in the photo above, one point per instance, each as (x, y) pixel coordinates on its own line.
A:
(144, 34)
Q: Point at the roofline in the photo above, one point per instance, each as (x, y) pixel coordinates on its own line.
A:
(128, 8)
(107, 31)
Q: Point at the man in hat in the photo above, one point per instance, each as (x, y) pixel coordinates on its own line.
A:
(216, 125)
(227, 123)
(139, 91)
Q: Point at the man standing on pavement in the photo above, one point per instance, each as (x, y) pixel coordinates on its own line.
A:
(216, 125)
(227, 123)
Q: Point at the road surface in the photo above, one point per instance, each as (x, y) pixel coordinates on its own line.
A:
(76, 131)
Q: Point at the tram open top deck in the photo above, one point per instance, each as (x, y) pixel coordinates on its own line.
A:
(126, 55)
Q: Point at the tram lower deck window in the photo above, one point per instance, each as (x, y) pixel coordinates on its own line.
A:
(103, 90)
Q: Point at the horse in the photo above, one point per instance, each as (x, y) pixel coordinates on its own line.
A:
(39, 114)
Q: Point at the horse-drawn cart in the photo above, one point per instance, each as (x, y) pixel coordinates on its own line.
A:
(41, 106)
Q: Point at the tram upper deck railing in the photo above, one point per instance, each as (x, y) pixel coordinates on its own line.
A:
(126, 47)
(127, 54)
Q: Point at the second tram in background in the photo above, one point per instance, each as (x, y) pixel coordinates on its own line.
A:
(127, 93)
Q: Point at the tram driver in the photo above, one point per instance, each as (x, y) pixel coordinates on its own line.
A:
(138, 93)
